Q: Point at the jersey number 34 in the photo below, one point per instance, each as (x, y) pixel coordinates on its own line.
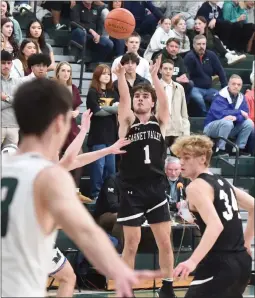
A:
(231, 207)
(8, 187)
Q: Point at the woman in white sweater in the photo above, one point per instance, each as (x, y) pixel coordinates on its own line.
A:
(159, 39)
(179, 31)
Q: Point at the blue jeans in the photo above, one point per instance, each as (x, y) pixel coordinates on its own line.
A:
(119, 46)
(226, 128)
(100, 50)
(100, 169)
(199, 96)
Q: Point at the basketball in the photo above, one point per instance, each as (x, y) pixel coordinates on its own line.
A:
(120, 23)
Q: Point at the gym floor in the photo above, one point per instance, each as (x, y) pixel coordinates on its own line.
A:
(249, 293)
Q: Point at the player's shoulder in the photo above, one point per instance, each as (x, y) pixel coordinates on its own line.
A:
(53, 174)
(198, 185)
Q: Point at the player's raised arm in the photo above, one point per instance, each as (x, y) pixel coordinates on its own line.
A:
(125, 113)
(87, 158)
(64, 206)
(200, 195)
(246, 202)
(163, 110)
(73, 149)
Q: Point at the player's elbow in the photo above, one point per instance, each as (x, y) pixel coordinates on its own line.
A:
(218, 226)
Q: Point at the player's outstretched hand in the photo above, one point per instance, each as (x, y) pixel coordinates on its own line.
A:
(127, 278)
(116, 147)
(183, 269)
(119, 70)
(154, 68)
(85, 120)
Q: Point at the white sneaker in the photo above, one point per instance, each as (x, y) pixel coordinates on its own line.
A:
(60, 26)
(233, 58)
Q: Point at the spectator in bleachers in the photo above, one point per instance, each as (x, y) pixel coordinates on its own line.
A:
(202, 65)
(130, 62)
(119, 44)
(107, 204)
(213, 42)
(233, 12)
(39, 64)
(179, 32)
(178, 124)
(55, 7)
(102, 100)
(146, 23)
(2, 41)
(228, 117)
(248, 6)
(63, 73)
(10, 129)
(158, 39)
(133, 43)
(250, 99)
(236, 36)
(5, 13)
(10, 45)
(88, 15)
(35, 31)
(28, 47)
(180, 75)
(173, 173)
(184, 9)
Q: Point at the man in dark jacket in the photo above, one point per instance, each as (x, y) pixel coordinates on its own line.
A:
(130, 62)
(88, 15)
(228, 117)
(202, 64)
(180, 75)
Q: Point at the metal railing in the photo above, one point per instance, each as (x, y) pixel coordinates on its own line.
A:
(235, 165)
(83, 51)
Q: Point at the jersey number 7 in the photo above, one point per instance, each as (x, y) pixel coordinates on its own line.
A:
(8, 187)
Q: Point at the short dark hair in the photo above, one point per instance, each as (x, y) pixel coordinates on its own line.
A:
(37, 103)
(6, 56)
(174, 39)
(167, 61)
(38, 59)
(145, 87)
(129, 57)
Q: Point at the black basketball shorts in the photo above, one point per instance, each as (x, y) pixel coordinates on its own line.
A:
(143, 199)
(222, 275)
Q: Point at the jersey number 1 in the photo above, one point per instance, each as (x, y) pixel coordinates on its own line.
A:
(147, 154)
(8, 187)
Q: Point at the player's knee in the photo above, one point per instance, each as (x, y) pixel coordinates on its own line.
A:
(131, 245)
(67, 276)
(165, 245)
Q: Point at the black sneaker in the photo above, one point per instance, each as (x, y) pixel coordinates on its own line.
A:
(221, 153)
(166, 291)
(243, 153)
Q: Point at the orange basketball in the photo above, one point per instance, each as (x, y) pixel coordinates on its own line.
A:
(119, 23)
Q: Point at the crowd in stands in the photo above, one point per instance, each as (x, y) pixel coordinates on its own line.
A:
(196, 40)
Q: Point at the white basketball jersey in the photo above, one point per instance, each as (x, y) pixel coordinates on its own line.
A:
(26, 250)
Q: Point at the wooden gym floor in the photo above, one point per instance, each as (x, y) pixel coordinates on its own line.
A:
(180, 293)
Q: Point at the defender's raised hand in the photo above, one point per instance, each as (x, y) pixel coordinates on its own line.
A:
(116, 147)
(85, 120)
(154, 68)
(119, 70)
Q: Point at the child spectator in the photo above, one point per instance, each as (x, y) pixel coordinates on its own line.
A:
(159, 39)
(35, 31)
(179, 31)
(10, 45)
(103, 131)
(20, 68)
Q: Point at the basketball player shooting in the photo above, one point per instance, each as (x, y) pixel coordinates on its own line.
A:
(142, 177)
(38, 195)
(222, 259)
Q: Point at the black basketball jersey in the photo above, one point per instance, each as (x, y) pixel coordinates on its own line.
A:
(145, 157)
(231, 238)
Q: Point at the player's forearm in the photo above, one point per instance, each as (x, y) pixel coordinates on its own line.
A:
(210, 236)
(73, 149)
(163, 109)
(123, 90)
(249, 231)
(87, 158)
